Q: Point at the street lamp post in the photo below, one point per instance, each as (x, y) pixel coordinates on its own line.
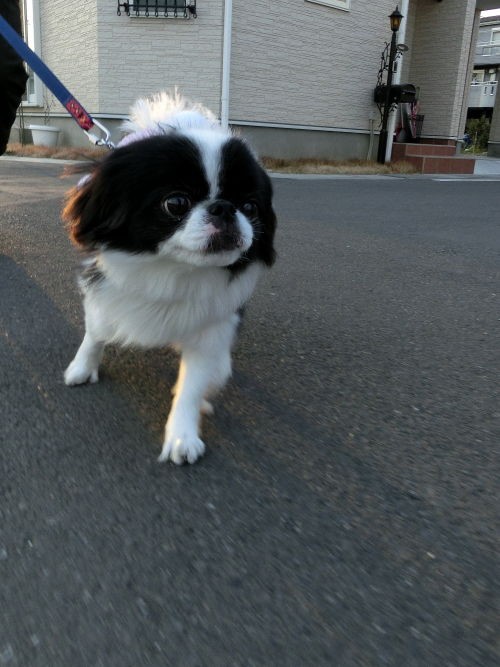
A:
(395, 18)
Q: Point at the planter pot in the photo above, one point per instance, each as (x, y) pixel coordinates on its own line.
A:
(44, 135)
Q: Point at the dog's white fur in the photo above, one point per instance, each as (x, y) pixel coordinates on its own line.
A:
(179, 296)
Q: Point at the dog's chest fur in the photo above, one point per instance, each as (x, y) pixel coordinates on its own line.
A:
(153, 301)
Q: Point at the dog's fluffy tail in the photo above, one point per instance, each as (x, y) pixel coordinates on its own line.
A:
(168, 111)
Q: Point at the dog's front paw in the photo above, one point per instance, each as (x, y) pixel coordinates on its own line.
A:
(180, 449)
(79, 373)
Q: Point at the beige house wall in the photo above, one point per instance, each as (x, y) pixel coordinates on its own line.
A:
(296, 66)
(140, 56)
(68, 38)
(439, 63)
(494, 138)
(300, 63)
(468, 76)
(108, 61)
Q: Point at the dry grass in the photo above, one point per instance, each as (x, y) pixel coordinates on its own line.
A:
(59, 153)
(313, 166)
(302, 166)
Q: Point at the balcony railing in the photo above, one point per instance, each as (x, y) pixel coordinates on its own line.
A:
(482, 94)
(488, 50)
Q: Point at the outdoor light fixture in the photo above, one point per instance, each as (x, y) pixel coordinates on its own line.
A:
(395, 19)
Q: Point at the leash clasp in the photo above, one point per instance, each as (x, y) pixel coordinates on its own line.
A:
(104, 140)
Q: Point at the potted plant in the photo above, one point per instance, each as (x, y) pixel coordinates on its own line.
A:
(45, 135)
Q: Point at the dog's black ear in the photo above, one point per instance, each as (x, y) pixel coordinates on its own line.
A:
(266, 241)
(90, 212)
(263, 246)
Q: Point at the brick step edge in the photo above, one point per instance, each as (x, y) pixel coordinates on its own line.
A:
(435, 164)
(402, 150)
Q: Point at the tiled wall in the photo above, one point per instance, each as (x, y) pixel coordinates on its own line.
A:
(140, 56)
(68, 36)
(297, 62)
(294, 62)
(440, 62)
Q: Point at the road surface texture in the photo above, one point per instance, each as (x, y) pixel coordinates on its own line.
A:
(347, 510)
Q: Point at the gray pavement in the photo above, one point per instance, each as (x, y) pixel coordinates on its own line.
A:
(347, 510)
(487, 166)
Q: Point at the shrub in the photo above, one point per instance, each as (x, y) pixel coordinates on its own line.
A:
(478, 130)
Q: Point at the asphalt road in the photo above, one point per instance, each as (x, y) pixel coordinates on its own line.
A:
(347, 510)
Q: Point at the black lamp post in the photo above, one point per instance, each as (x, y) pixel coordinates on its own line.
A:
(395, 18)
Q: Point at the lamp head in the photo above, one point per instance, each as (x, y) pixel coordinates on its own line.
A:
(396, 17)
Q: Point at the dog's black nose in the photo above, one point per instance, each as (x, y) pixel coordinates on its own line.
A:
(223, 212)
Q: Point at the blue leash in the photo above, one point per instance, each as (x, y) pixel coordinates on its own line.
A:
(82, 117)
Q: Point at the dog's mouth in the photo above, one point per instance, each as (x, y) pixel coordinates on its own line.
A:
(217, 236)
(224, 241)
(224, 233)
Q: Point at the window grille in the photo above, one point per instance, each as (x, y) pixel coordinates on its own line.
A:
(175, 9)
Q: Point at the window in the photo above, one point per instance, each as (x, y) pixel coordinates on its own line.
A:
(31, 32)
(477, 77)
(339, 4)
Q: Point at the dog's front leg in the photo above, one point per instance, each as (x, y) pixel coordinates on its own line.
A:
(205, 367)
(85, 365)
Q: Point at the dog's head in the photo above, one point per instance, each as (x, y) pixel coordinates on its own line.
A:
(197, 197)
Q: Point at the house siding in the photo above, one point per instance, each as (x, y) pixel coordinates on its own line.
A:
(141, 56)
(494, 138)
(68, 37)
(302, 74)
(440, 61)
(297, 62)
(108, 61)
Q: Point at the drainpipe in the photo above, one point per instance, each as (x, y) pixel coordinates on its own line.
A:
(396, 79)
(226, 63)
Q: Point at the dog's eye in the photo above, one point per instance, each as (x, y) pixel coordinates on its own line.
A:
(249, 208)
(176, 205)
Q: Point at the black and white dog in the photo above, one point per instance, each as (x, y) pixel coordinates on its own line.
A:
(180, 224)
